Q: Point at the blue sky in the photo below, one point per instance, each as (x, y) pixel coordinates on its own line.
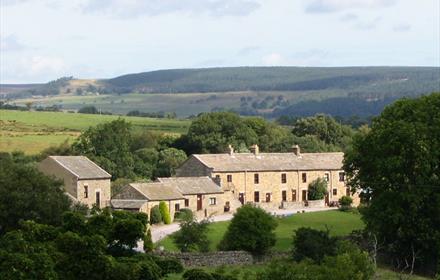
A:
(42, 40)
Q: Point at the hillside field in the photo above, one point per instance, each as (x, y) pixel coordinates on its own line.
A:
(31, 132)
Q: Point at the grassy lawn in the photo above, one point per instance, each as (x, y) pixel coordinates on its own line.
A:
(32, 132)
(339, 223)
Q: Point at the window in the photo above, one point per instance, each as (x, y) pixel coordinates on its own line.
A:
(335, 191)
(86, 191)
(186, 202)
(341, 176)
(177, 207)
(256, 196)
(256, 179)
(229, 178)
(304, 177)
(284, 195)
(212, 201)
(327, 177)
(283, 178)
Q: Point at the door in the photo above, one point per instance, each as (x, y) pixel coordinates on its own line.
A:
(284, 195)
(293, 195)
(241, 198)
(327, 200)
(199, 202)
(98, 199)
(256, 197)
(267, 197)
(304, 195)
(348, 193)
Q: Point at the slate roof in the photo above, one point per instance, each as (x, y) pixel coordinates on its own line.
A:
(157, 191)
(271, 161)
(127, 203)
(81, 167)
(192, 185)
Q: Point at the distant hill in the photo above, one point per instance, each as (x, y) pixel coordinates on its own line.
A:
(266, 91)
(382, 81)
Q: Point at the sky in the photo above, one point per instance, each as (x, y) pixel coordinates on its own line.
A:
(42, 40)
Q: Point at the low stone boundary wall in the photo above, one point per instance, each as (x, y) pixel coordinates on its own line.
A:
(292, 204)
(316, 203)
(195, 259)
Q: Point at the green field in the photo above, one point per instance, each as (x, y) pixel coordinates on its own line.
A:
(32, 132)
(339, 223)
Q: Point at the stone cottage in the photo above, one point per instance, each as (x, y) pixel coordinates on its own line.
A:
(271, 180)
(199, 194)
(84, 181)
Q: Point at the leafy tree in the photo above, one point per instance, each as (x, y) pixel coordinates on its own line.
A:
(126, 232)
(155, 215)
(197, 274)
(88, 110)
(169, 160)
(148, 242)
(396, 165)
(317, 189)
(108, 145)
(251, 229)
(313, 244)
(192, 236)
(165, 212)
(213, 132)
(345, 202)
(27, 194)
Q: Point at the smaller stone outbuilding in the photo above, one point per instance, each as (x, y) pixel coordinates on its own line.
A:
(199, 194)
(143, 197)
(84, 181)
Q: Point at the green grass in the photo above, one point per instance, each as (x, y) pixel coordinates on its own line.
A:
(32, 132)
(339, 223)
(250, 271)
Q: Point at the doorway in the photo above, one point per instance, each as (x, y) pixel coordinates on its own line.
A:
(199, 202)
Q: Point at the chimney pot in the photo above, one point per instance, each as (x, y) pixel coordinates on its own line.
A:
(255, 149)
(296, 150)
(230, 149)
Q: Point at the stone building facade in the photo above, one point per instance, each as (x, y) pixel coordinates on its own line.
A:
(84, 181)
(271, 180)
(199, 194)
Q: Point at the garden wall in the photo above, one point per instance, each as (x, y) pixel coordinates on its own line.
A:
(220, 258)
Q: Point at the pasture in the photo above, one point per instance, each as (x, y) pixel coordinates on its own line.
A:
(31, 132)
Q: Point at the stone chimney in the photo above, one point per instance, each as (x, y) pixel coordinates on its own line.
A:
(230, 150)
(296, 150)
(255, 149)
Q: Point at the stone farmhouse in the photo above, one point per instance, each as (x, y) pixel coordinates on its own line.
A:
(200, 194)
(271, 180)
(84, 181)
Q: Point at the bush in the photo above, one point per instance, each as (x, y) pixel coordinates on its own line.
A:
(345, 203)
(313, 244)
(88, 110)
(251, 229)
(155, 215)
(148, 242)
(192, 236)
(169, 265)
(165, 212)
(317, 189)
(197, 274)
(184, 214)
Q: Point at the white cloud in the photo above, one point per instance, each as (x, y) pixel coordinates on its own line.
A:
(273, 59)
(10, 43)
(136, 8)
(329, 6)
(402, 27)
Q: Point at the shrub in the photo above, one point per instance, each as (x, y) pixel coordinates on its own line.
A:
(155, 215)
(197, 274)
(345, 203)
(165, 212)
(317, 189)
(313, 244)
(251, 229)
(192, 236)
(184, 214)
(169, 265)
(148, 242)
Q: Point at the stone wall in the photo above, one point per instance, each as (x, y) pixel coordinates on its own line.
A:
(219, 258)
(316, 203)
